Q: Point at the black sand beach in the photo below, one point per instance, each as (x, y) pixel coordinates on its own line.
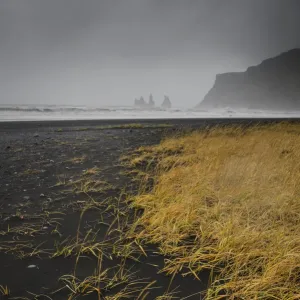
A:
(50, 172)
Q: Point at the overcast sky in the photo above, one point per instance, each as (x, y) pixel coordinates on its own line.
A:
(107, 52)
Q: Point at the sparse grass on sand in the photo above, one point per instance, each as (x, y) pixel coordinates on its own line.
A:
(91, 171)
(29, 172)
(134, 126)
(228, 200)
(4, 290)
(78, 159)
(90, 186)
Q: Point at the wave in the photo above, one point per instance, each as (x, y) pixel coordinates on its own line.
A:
(72, 109)
(47, 110)
(24, 109)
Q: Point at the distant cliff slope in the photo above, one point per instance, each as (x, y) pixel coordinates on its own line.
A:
(274, 85)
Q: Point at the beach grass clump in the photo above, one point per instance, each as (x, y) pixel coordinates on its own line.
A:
(4, 290)
(91, 171)
(78, 159)
(227, 199)
(88, 185)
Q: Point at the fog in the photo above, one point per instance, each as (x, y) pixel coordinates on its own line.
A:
(99, 53)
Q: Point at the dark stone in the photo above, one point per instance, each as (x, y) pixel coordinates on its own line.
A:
(166, 103)
(141, 103)
(151, 103)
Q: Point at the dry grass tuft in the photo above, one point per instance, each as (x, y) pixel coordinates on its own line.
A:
(228, 200)
(4, 290)
(30, 172)
(91, 171)
(78, 159)
(88, 185)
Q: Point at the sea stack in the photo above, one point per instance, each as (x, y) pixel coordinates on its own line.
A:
(166, 103)
(151, 103)
(140, 103)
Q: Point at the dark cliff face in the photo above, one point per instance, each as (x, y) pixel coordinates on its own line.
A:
(274, 84)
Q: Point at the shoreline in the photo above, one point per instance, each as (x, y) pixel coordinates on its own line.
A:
(174, 121)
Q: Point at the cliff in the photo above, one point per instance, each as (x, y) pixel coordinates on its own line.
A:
(274, 85)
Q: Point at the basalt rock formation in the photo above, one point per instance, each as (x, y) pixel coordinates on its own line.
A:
(274, 84)
(166, 103)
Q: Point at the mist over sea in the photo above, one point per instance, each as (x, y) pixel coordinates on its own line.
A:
(55, 112)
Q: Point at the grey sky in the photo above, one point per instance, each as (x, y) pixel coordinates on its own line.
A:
(107, 52)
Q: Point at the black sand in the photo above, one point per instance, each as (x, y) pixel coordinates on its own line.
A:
(34, 157)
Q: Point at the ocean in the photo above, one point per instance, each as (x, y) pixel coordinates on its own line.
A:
(55, 112)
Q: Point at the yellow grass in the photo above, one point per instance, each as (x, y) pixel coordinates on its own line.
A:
(4, 290)
(91, 171)
(78, 159)
(87, 185)
(228, 200)
(31, 172)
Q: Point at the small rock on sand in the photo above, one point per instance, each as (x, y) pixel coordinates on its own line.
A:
(26, 197)
(32, 267)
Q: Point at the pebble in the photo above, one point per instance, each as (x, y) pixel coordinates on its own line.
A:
(32, 267)
(26, 197)
(36, 135)
(42, 195)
